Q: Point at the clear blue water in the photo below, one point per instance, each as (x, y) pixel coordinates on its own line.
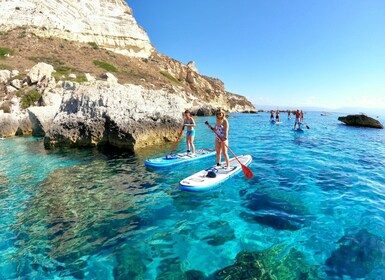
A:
(316, 204)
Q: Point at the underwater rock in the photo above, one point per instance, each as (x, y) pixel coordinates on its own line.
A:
(274, 263)
(360, 121)
(129, 264)
(357, 256)
(224, 233)
(272, 213)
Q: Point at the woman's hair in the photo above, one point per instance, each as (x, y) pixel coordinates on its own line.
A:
(187, 111)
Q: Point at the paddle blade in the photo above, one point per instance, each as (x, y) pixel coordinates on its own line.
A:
(307, 127)
(248, 173)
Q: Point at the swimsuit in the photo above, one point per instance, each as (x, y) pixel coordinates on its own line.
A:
(190, 132)
(220, 131)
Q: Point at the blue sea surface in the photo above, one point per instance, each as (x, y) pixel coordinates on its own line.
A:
(315, 208)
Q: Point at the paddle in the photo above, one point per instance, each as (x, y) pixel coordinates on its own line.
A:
(248, 173)
(177, 140)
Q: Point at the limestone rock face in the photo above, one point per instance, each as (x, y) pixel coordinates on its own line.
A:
(123, 116)
(8, 124)
(41, 119)
(108, 23)
(360, 120)
(25, 125)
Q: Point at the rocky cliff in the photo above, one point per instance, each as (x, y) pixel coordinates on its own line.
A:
(108, 23)
(85, 91)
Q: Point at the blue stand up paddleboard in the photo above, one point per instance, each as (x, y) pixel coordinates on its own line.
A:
(174, 159)
(210, 178)
(298, 130)
(272, 121)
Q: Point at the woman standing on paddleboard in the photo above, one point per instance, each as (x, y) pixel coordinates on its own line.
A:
(222, 129)
(190, 133)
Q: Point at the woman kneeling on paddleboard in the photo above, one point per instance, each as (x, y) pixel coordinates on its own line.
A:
(190, 133)
(222, 129)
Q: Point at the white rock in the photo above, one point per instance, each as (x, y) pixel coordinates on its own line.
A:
(41, 119)
(40, 71)
(89, 77)
(10, 89)
(14, 73)
(16, 84)
(72, 76)
(8, 124)
(107, 23)
(5, 75)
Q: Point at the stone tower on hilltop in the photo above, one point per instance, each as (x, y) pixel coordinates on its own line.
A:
(108, 23)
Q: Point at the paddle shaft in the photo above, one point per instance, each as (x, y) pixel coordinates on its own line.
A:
(177, 140)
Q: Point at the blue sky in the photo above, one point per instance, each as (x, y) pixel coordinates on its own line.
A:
(328, 53)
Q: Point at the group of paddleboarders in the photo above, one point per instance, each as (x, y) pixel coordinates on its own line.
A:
(221, 130)
(298, 117)
(277, 119)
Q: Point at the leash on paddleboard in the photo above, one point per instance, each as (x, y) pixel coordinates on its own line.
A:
(246, 171)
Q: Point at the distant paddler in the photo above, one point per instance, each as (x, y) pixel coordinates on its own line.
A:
(190, 133)
(297, 119)
(277, 119)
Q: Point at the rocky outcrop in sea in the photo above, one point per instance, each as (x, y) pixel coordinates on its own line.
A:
(360, 121)
(124, 116)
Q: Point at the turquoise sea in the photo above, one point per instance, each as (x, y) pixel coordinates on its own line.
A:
(315, 208)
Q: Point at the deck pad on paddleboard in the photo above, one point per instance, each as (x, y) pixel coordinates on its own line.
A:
(178, 158)
(200, 182)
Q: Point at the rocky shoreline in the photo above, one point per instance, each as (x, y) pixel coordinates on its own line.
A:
(95, 112)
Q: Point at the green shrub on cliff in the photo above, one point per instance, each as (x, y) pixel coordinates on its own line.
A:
(169, 76)
(5, 51)
(28, 98)
(106, 66)
(80, 79)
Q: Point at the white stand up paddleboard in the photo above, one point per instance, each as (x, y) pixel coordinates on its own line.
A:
(210, 178)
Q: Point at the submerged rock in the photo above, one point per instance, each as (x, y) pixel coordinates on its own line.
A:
(122, 116)
(357, 256)
(273, 213)
(360, 120)
(274, 263)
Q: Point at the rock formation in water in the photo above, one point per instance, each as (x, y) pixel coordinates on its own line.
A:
(107, 23)
(361, 121)
(124, 116)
